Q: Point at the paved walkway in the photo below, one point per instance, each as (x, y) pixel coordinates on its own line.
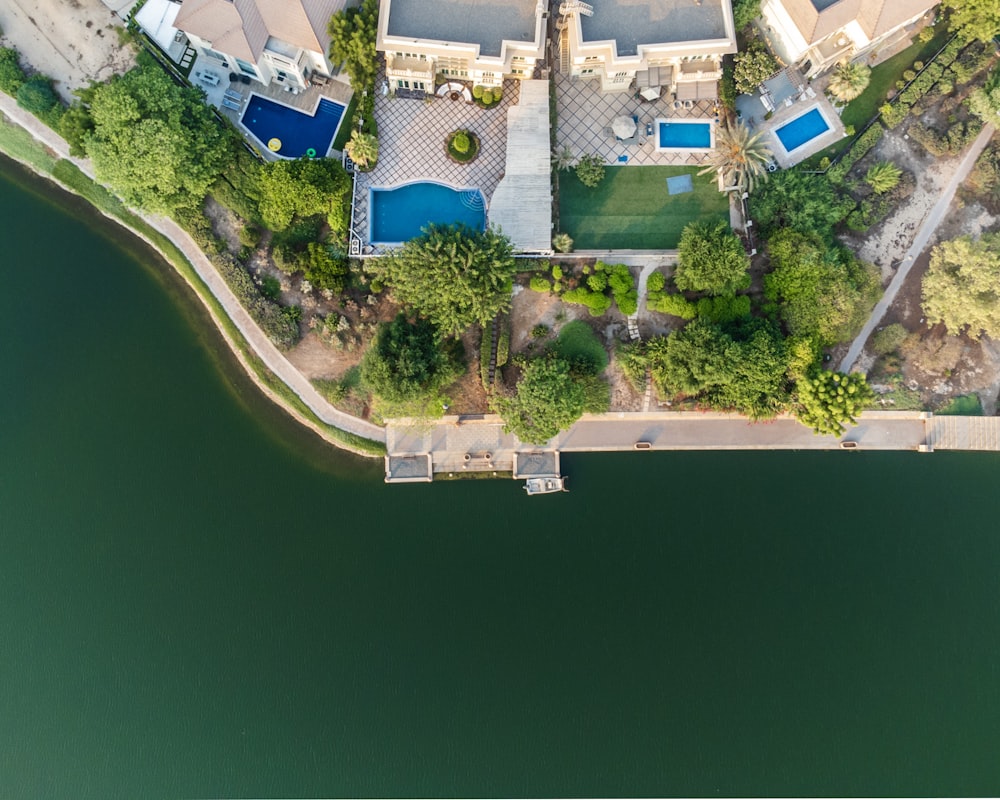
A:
(262, 346)
(920, 242)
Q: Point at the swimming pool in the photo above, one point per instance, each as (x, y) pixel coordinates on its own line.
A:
(802, 129)
(684, 134)
(297, 133)
(397, 215)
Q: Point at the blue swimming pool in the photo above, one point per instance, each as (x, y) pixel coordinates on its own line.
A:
(397, 215)
(297, 131)
(686, 135)
(802, 130)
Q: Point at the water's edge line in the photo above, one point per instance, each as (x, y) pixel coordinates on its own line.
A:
(234, 339)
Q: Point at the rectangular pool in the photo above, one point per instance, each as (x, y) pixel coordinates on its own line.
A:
(399, 214)
(684, 135)
(802, 130)
(292, 133)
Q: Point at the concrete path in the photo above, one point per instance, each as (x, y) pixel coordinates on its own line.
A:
(920, 242)
(258, 340)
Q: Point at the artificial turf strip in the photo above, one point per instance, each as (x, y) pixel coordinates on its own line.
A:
(631, 209)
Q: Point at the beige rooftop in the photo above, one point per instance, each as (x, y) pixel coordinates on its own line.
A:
(819, 18)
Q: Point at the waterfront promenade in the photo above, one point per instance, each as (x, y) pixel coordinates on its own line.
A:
(457, 445)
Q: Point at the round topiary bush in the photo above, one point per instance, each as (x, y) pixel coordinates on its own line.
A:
(477, 91)
(462, 146)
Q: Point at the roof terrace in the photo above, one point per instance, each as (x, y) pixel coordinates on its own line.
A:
(631, 23)
(483, 22)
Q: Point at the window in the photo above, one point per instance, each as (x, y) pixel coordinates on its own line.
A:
(212, 54)
(246, 68)
(401, 84)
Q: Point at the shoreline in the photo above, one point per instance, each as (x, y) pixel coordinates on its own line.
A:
(238, 330)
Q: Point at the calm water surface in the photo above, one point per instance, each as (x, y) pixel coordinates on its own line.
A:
(200, 599)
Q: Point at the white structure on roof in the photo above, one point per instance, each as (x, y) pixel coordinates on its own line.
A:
(481, 41)
(156, 18)
(521, 206)
(815, 34)
(674, 44)
(268, 40)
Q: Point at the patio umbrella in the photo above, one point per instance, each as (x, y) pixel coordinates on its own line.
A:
(623, 127)
(650, 93)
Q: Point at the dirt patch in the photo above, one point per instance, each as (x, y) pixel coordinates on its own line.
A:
(315, 358)
(225, 224)
(71, 41)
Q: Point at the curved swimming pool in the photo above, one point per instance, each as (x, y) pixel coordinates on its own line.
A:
(399, 214)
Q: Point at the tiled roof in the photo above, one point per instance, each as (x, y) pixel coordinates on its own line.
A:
(817, 19)
(242, 27)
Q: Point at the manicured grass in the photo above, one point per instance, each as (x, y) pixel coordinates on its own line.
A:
(344, 132)
(577, 341)
(21, 145)
(631, 210)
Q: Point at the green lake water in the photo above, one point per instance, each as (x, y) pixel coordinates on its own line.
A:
(200, 599)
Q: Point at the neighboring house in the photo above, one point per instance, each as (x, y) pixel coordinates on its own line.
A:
(816, 34)
(268, 40)
(481, 41)
(677, 44)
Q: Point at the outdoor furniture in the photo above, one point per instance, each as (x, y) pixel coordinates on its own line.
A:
(231, 104)
(624, 127)
(209, 78)
(622, 159)
(649, 128)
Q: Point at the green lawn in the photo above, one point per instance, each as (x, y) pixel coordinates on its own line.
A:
(884, 77)
(631, 210)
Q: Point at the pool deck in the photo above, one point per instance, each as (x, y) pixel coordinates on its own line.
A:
(585, 114)
(412, 134)
(787, 159)
(335, 89)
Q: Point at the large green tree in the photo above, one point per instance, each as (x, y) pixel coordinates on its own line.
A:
(547, 400)
(793, 199)
(352, 43)
(742, 368)
(962, 286)
(745, 12)
(974, 19)
(155, 143)
(753, 66)
(820, 291)
(453, 275)
(711, 258)
(304, 187)
(828, 400)
(409, 361)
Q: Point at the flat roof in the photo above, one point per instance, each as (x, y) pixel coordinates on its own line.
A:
(634, 22)
(483, 22)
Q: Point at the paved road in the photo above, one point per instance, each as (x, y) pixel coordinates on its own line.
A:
(258, 340)
(923, 236)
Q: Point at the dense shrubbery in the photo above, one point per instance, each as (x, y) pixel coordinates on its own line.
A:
(590, 170)
(11, 74)
(753, 66)
(801, 202)
(711, 258)
(617, 278)
(950, 142)
(858, 150)
(888, 339)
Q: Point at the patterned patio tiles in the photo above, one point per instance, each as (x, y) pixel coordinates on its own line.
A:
(412, 146)
(585, 113)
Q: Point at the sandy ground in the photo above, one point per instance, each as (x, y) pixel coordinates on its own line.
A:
(71, 41)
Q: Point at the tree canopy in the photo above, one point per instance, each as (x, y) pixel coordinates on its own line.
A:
(304, 187)
(827, 400)
(793, 199)
(453, 275)
(155, 143)
(962, 286)
(352, 43)
(822, 292)
(408, 361)
(547, 400)
(743, 367)
(711, 258)
(753, 66)
(974, 19)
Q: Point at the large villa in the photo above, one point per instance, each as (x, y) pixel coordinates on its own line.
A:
(636, 83)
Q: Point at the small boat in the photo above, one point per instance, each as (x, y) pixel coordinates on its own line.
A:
(545, 485)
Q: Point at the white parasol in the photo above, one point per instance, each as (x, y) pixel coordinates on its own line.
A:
(623, 127)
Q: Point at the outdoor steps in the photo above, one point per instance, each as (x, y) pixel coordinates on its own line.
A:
(494, 339)
(964, 433)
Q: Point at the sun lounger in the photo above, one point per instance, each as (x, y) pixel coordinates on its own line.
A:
(227, 103)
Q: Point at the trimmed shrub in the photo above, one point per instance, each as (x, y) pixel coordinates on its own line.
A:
(539, 284)
(597, 282)
(674, 304)
(656, 282)
(888, 339)
(858, 150)
(596, 302)
(477, 92)
(557, 272)
(590, 170)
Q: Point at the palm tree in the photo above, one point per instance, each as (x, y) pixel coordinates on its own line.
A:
(883, 177)
(563, 159)
(849, 79)
(362, 149)
(739, 156)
